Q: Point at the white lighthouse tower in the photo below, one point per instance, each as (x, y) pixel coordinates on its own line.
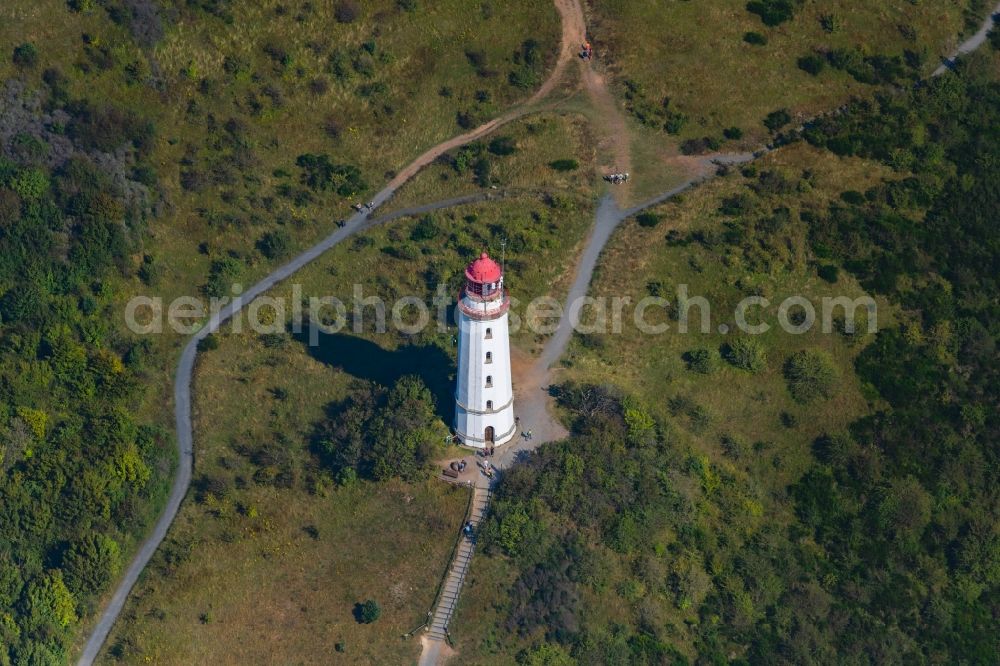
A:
(484, 394)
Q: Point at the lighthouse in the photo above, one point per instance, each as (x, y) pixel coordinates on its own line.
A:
(484, 393)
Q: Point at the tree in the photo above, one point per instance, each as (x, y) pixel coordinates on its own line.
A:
(810, 375)
(402, 433)
(905, 508)
(47, 602)
(368, 611)
(91, 563)
(745, 353)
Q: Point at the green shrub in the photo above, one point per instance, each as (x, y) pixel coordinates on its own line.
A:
(733, 133)
(772, 12)
(25, 55)
(425, 230)
(503, 145)
(564, 165)
(368, 611)
(700, 360)
(208, 343)
(828, 272)
(810, 375)
(812, 64)
(648, 220)
(829, 23)
(755, 38)
(777, 119)
(274, 244)
(745, 353)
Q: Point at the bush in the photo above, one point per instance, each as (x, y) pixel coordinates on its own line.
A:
(503, 145)
(564, 165)
(425, 230)
(700, 360)
(648, 220)
(755, 38)
(208, 343)
(772, 12)
(852, 197)
(733, 133)
(319, 173)
(828, 272)
(700, 146)
(274, 244)
(810, 375)
(25, 55)
(777, 119)
(812, 64)
(368, 611)
(347, 11)
(746, 354)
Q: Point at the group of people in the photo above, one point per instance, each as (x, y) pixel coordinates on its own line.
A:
(362, 208)
(617, 178)
(586, 51)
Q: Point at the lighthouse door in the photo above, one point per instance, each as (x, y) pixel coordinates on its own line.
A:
(489, 434)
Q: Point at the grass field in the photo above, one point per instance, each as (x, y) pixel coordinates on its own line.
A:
(746, 424)
(639, 259)
(694, 53)
(540, 141)
(261, 573)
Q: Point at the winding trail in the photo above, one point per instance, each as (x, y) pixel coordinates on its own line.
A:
(970, 44)
(534, 377)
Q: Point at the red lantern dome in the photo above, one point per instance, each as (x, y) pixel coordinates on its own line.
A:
(483, 270)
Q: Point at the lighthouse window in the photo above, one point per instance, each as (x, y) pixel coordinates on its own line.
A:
(489, 404)
(489, 381)
(489, 357)
(489, 333)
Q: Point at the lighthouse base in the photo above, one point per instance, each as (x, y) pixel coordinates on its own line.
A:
(474, 433)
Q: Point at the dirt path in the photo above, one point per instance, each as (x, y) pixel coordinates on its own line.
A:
(572, 22)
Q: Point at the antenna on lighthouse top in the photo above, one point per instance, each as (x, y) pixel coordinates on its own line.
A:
(503, 255)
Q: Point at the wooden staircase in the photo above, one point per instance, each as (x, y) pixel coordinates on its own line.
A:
(448, 597)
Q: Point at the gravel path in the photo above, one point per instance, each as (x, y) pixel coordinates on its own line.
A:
(971, 44)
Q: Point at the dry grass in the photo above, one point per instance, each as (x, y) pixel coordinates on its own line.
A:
(694, 53)
(738, 404)
(254, 585)
(541, 139)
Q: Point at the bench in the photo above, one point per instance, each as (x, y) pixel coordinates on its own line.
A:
(450, 473)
